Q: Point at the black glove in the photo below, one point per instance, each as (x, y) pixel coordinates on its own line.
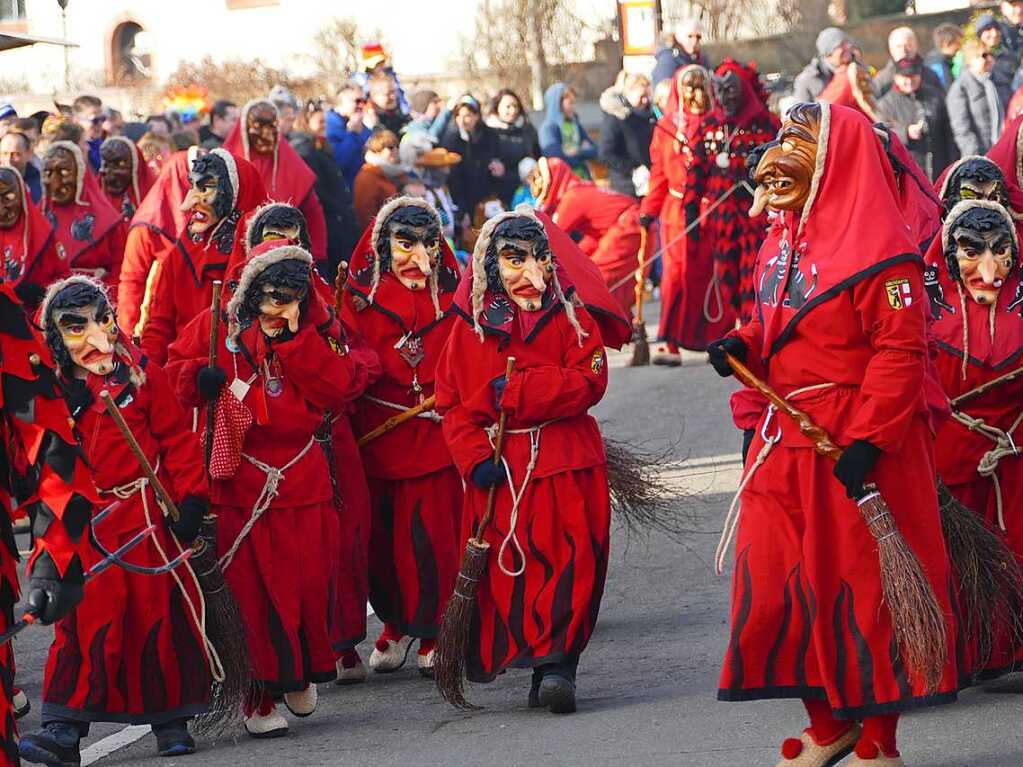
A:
(210, 381)
(498, 385)
(645, 221)
(852, 468)
(488, 474)
(747, 440)
(31, 295)
(50, 596)
(716, 351)
(78, 397)
(192, 511)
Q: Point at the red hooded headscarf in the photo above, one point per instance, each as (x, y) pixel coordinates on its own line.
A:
(27, 241)
(684, 122)
(919, 206)
(142, 179)
(1007, 153)
(160, 209)
(559, 179)
(754, 98)
(842, 90)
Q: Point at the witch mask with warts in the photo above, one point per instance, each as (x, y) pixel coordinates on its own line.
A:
(974, 178)
(115, 171)
(728, 88)
(262, 127)
(980, 249)
(276, 297)
(60, 176)
(210, 199)
(410, 246)
(81, 329)
(519, 262)
(784, 174)
(279, 221)
(693, 90)
(10, 199)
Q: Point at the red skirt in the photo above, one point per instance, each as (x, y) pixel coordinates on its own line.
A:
(808, 615)
(131, 651)
(283, 576)
(617, 257)
(352, 592)
(546, 614)
(414, 550)
(8, 724)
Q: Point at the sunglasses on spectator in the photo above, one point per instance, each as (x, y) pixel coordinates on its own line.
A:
(360, 101)
(694, 36)
(986, 55)
(98, 119)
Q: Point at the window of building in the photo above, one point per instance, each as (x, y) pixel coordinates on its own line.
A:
(233, 5)
(12, 10)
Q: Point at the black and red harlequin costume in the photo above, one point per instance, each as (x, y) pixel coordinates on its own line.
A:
(48, 477)
(133, 652)
(808, 619)
(414, 487)
(540, 595)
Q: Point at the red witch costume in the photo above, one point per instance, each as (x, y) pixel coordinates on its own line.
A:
(737, 237)
(29, 258)
(286, 177)
(538, 602)
(183, 286)
(152, 236)
(142, 180)
(682, 154)
(808, 620)
(47, 478)
(975, 449)
(134, 651)
(414, 487)
(1007, 153)
(88, 231)
(605, 224)
(277, 525)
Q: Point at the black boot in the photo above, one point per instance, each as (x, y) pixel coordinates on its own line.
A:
(173, 739)
(557, 687)
(55, 744)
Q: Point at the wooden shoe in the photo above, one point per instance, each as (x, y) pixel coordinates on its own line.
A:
(270, 725)
(353, 674)
(879, 761)
(388, 655)
(303, 702)
(662, 356)
(813, 755)
(425, 663)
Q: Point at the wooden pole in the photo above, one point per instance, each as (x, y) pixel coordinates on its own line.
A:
(397, 420)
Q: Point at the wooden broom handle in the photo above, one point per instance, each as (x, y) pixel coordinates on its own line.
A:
(984, 388)
(161, 493)
(502, 420)
(640, 275)
(398, 420)
(211, 406)
(822, 442)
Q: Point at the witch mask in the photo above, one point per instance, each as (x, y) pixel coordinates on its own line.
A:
(981, 251)
(975, 178)
(519, 262)
(279, 221)
(412, 244)
(81, 329)
(60, 176)
(277, 295)
(784, 174)
(728, 88)
(692, 86)
(261, 125)
(10, 199)
(209, 200)
(115, 170)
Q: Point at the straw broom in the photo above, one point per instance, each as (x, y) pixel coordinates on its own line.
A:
(917, 619)
(640, 345)
(453, 640)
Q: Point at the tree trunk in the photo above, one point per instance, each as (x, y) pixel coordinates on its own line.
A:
(535, 54)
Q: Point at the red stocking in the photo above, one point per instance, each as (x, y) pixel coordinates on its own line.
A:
(390, 632)
(263, 704)
(824, 728)
(426, 645)
(878, 737)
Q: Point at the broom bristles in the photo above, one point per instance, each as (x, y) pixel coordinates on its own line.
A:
(226, 632)
(990, 581)
(453, 640)
(640, 346)
(917, 619)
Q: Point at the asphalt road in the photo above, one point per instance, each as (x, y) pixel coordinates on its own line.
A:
(647, 682)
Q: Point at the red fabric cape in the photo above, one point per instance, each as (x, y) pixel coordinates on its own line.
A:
(28, 239)
(852, 229)
(293, 180)
(839, 92)
(920, 207)
(1006, 154)
(562, 179)
(95, 204)
(677, 120)
(160, 209)
(142, 177)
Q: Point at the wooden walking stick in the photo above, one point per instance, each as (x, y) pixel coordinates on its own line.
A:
(984, 388)
(397, 420)
(223, 620)
(640, 344)
(453, 640)
(917, 619)
(211, 406)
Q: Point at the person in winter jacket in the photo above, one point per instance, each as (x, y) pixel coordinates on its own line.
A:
(562, 134)
(973, 106)
(1011, 27)
(380, 178)
(628, 128)
(948, 39)
(384, 104)
(479, 175)
(346, 132)
(516, 138)
(834, 51)
(1005, 63)
(902, 44)
(681, 48)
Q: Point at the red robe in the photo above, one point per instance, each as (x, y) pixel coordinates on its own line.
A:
(183, 286)
(958, 449)
(415, 490)
(285, 568)
(287, 179)
(29, 256)
(1005, 152)
(547, 613)
(808, 617)
(605, 224)
(691, 313)
(132, 651)
(152, 235)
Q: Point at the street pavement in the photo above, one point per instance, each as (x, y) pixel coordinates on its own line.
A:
(648, 680)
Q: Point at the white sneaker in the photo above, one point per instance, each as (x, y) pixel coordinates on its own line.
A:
(391, 659)
(21, 704)
(354, 675)
(426, 663)
(272, 725)
(303, 702)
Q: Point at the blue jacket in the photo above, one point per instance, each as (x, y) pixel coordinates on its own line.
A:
(550, 130)
(34, 182)
(349, 148)
(670, 60)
